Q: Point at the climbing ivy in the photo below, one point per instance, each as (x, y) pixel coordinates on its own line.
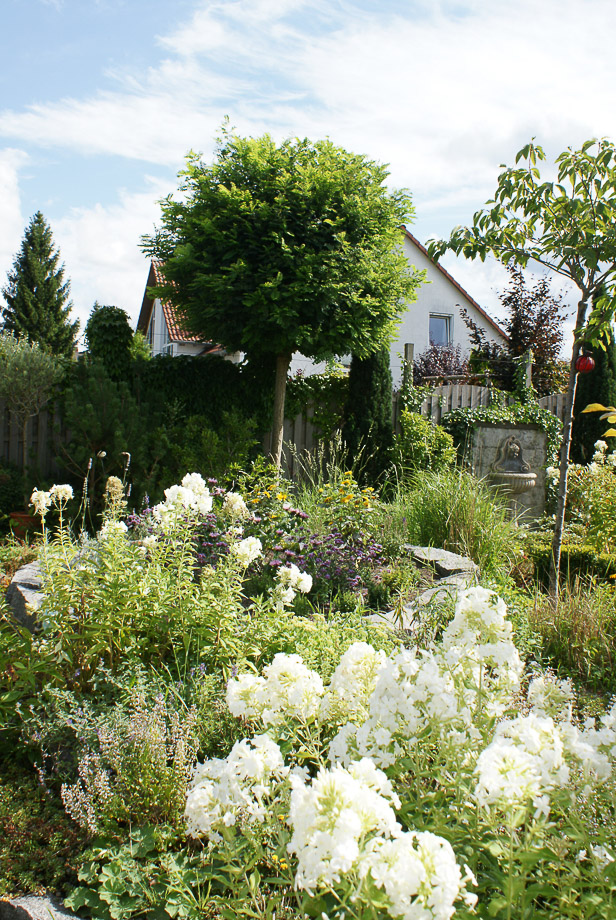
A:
(460, 423)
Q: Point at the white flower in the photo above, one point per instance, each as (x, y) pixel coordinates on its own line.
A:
(352, 684)
(61, 494)
(235, 506)
(247, 550)
(150, 541)
(287, 690)
(112, 530)
(290, 576)
(241, 785)
(41, 501)
(549, 696)
(600, 446)
(419, 874)
(332, 816)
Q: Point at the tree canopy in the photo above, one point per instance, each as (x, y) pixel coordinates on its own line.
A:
(274, 249)
(36, 295)
(569, 226)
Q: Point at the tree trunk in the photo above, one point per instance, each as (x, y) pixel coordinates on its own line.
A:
(564, 452)
(282, 370)
(24, 458)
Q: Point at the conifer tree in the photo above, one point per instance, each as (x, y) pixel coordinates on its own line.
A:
(36, 295)
(368, 414)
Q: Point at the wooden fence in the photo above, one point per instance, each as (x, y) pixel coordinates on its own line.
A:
(299, 433)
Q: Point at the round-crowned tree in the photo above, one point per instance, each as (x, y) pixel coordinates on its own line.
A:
(109, 338)
(276, 249)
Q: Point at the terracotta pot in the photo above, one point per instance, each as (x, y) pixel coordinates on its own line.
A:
(23, 524)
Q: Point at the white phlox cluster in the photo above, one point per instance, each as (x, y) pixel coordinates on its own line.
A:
(344, 824)
(238, 787)
(235, 507)
(191, 498)
(419, 874)
(412, 692)
(289, 582)
(112, 530)
(247, 550)
(531, 755)
(286, 690)
(549, 696)
(352, 684)
(58, 495)
(481, 634)
(332, 817)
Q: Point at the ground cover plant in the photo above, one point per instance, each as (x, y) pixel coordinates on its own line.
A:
(232, 737)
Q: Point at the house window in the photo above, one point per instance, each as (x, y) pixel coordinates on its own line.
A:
(440, 329)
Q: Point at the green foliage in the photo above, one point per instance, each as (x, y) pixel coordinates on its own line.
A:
(461, 422)
(599, 386)
(105, 427)
(285, 248)
(40, 846)
(452, 510)
(140, 349)
(36, 295)
(580, 636)
(421, 445)
(320, 396)
(110, 339)
(196, 445)
(368, 414)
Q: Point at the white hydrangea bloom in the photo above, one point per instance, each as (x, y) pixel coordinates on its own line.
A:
(287, 690)
(352, 684)
(112, 530)
(331, 818)
(235, 506)
(419, 874)
(247, 550)
(41, 501)
(238, 787)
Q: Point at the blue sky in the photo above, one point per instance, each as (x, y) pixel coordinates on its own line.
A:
(101, 99)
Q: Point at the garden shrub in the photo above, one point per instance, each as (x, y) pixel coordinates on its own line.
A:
(109, 338)
(577, 560)
(421, 445)
(591, 498)
(367, 422)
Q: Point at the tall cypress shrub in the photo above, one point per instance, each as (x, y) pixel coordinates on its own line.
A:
(367, 423)
(598, 386)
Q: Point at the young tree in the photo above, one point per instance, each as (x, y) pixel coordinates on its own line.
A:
(36, 295)
(367, 423)
(277, 249)
(28, 374)
(534, 323)
(569, 226)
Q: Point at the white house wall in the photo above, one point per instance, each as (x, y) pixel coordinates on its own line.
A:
(438, 295)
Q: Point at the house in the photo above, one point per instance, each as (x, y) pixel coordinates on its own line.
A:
(434, 318)
(163, 331)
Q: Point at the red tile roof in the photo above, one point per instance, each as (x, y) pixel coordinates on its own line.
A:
(177, 332)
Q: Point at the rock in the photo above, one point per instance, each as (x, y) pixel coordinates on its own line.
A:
(444, 562)
(24, 595)
(33, 908)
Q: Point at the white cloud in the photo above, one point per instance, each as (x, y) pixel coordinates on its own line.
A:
(100, 248)
(12, 224)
